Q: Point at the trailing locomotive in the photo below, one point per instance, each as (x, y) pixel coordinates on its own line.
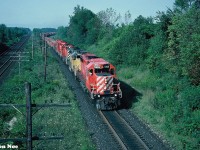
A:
(96, 76)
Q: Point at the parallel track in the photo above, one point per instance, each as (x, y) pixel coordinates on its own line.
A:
(5, 66)
(5, 58)
(124, 134)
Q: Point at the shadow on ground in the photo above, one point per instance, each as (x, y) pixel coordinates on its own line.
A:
(129, 95)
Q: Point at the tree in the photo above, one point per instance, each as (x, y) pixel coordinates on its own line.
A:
(62, 33)
(83, 26)
(130, 46)
(158, 42)
(109, 17)
(3, 38)
(10, 35)
(184, 47)
(183, 5)
(109, 20)
(127, 18)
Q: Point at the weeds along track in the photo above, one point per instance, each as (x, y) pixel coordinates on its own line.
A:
(6, 58)
(124, 134)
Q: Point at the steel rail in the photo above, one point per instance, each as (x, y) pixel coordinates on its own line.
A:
(113, 131)
(4, 63)
(131, 129)
(4, 70)
(119, 137)
(5, 52)
(8, 62)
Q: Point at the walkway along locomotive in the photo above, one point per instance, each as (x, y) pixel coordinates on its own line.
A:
(96, 76)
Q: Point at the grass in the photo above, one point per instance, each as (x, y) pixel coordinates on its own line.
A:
(47, 121)
(159, 120)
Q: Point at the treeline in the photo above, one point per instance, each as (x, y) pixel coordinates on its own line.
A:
(10, 35)
(168, 45)
(37, 31)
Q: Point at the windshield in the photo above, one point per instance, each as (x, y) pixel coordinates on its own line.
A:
(103, 74)
(103, 70)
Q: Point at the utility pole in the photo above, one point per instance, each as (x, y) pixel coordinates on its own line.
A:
(19, 62)
(28, 116)
(45, 62)
(32, 47)
(20, 59)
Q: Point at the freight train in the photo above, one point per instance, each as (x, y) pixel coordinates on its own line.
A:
(96, 75)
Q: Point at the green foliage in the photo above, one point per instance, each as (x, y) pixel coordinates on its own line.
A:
(38, 31)
(158, 43)
(62, 33)
(191, 97)
(155, 51)
(83, 27)
(109, 17)
(3, 38)
(108, 20)
(184, 48)
(10, 35)
(129, 43)
(183, 5)
(92, 30)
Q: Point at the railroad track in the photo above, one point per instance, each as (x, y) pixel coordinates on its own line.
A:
(6, 57)
(123, 133)
(13, 47)
(5, 66)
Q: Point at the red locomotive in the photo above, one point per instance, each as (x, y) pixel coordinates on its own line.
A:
(50, 42)
(97, 76)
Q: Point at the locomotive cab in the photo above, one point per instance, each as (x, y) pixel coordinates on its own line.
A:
(99, 78)
(102, 84)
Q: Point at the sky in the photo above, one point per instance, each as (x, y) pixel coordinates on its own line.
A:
(55, 13)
